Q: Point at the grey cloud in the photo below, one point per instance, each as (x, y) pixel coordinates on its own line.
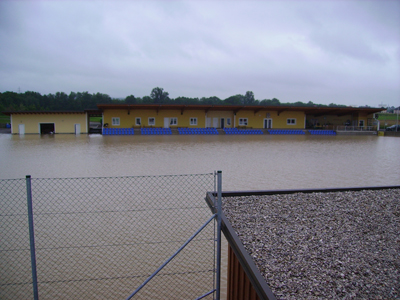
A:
(291, 50)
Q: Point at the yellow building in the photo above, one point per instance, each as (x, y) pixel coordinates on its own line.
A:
(232, 116)
(201, 116)
(49, 122)
(122, 116)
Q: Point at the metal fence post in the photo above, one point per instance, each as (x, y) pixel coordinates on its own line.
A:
(32, 237)
(219, 211)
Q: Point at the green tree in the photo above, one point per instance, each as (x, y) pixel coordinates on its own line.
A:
(97, 99)
(248, 98)
(234, 100)
(147, 100)
(299, 103)
(130, 99)
(61, 101)
(269, 102)
(211, 100)
(158, 95)
(275, 101)
(186, 100)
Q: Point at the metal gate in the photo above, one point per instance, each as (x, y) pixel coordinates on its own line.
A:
(97, 238)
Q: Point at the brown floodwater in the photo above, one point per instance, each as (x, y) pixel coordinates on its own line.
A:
(247, 163)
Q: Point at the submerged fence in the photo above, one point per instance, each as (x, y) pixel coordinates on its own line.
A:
(101, 238)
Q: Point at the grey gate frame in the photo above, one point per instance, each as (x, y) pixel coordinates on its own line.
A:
(216, 216)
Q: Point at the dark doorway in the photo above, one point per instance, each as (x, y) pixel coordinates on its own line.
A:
(268, 123)
(222, 123)
(47, 128)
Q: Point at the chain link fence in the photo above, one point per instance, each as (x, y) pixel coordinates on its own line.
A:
(101, 238)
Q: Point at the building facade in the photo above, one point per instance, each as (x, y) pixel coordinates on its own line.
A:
(224, 116)
(192, 116)
(49, 122)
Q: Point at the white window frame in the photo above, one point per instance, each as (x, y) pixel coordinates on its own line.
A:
(138, 123)
(193, 121)
(152, 123)
(173, 121)
(115, 121)
(290, 121)
(228, 121)
(243, 121)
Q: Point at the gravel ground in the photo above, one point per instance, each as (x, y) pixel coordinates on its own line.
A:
(338, 245)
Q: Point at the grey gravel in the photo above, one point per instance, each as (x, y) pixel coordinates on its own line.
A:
(337, 245)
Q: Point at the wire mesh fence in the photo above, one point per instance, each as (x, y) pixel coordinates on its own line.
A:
(100, 238)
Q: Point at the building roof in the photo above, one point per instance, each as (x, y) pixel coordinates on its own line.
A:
(316, 111)
(8, 113)
(255, 108)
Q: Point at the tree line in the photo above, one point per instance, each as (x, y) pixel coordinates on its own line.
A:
(60, 101)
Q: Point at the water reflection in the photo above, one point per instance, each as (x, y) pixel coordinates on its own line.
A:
(247, 162)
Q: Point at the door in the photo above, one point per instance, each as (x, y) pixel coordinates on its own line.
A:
(267, 123)
(222, 123)
(166, 122)
(208, 122)
(21, 128)
(215, 122)
(77, 128)
(47, 128)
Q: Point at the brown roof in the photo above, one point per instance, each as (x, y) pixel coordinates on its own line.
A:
(8, 113)
(235, 108)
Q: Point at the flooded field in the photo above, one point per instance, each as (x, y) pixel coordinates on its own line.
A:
(247, 163)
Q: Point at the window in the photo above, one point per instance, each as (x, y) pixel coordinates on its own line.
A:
(228, 121)
(152, 121)
(243, 122)
(173, 121)
(193, 121)
(291, 121)
(138, 121)
(115, 122)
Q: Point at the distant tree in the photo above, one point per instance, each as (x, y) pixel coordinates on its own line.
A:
(10, 101)
(248, 98)
(159, 95)
(147, 100)
(99, 98)
(130, 100)
(275, 101)
(72, 96)
(234, 100)
(186, 100)
(32, 100)
(211, 101)
(61, 101)
(84, 101)
(299, 103)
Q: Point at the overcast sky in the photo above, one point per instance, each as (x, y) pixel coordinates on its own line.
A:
(344, 52)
